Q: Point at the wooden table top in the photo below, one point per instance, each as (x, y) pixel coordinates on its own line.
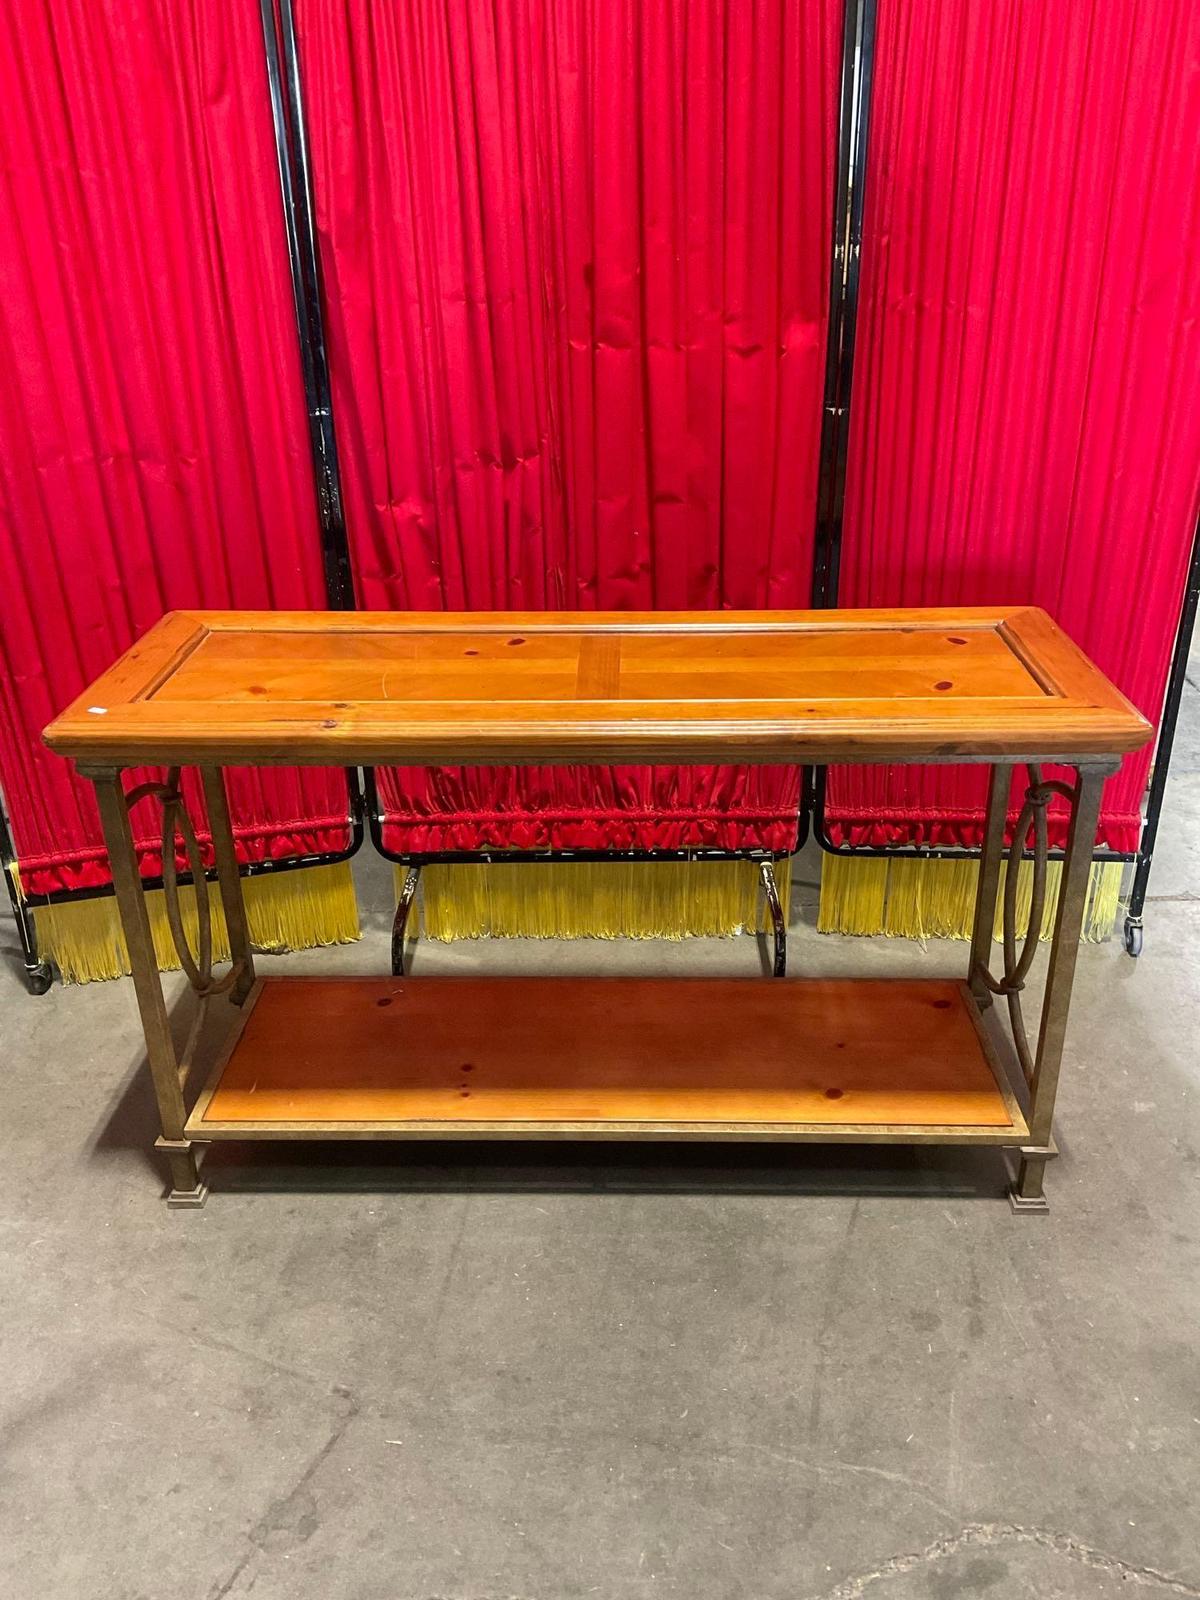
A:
(279, 687)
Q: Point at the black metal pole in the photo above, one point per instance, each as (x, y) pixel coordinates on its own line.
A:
(295, 182)
(1162, 754)
(849, 191)
(854, 114)
(296, 192)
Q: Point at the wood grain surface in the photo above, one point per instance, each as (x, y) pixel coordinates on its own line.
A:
(329, 1056)
(286, 687)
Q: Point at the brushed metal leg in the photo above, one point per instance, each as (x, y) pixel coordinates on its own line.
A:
(186, 1186)
(1064, 951)
(1027, 1193)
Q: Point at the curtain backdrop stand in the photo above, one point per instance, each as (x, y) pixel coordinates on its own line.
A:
(295, 178)
(921, 852)
(858, 65)
(335, 551)
(39, 974)
(295, 182)
(415, 860)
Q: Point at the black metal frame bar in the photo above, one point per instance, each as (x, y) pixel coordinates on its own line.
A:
(854, 119)
(1176, 679)
(858, 50)
(295, 183)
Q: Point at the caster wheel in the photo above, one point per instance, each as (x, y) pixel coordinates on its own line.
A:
(1133, 938)
(38, 979)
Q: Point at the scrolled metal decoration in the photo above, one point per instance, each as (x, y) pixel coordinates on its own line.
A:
(197, 965)
(1016, 966)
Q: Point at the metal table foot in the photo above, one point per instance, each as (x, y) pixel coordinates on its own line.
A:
(1026, 1193)
(188, 1199)
(188, 1190)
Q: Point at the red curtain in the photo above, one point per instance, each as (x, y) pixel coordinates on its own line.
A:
(152, 435)
(576, 261)
(1026, 417)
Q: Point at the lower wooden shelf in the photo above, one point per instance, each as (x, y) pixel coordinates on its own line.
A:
(855, 1060)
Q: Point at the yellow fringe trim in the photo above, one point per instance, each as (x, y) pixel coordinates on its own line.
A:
(595, 899)
(909, 899)
(285, 911)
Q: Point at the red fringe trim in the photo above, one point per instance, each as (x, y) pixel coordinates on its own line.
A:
(1120, 832)
(52, 872)
(683, 829)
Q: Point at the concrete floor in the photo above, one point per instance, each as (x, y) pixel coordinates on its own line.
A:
(541, 1374)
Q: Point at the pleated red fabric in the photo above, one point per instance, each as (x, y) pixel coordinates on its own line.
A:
(152, 433)
(576, 261)
(1026, 414)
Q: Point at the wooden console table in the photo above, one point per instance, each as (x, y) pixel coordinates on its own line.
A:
(901, 1062)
